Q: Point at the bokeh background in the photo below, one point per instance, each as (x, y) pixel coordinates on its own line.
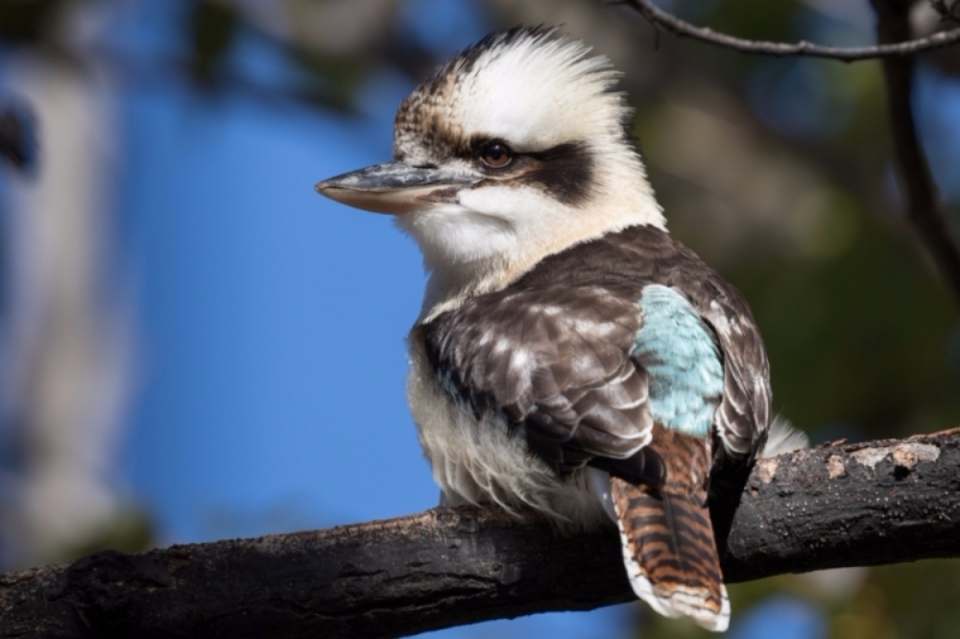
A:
(195, 346)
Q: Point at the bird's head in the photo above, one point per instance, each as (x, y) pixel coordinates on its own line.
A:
(515, 149)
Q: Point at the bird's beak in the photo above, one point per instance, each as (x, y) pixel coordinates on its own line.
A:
(394, 187)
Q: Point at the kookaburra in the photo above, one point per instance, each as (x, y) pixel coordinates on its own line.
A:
(571, 357)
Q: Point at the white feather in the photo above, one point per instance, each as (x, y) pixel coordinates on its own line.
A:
(783, 438)
(538, 92)
(478, 462)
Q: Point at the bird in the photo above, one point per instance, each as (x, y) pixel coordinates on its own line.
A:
(571, 357)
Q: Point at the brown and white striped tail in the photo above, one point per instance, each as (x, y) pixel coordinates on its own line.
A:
(668, 545)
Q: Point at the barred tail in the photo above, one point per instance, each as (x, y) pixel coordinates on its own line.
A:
(669, 550)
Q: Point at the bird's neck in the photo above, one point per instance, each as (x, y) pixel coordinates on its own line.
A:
(448, 289)
(449, 286)
(621, 198)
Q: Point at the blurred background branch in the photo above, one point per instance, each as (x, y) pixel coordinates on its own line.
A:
(924, 208)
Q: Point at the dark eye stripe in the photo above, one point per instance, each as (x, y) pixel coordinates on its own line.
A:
(565, 171)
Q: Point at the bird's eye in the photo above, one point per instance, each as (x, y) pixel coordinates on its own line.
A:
(496, 155)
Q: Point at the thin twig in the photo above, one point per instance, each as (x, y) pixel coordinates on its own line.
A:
(661, 18)
(924, 207)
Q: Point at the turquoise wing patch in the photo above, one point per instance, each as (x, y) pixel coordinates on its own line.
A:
(682, 360)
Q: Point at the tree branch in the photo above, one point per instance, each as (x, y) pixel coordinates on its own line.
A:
(898, 48)
(845, 505)
(924, 208)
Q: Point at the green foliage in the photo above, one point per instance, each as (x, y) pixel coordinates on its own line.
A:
(130, 530)
(857, 336)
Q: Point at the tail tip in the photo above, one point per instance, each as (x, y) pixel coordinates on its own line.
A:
(682, 602)
(679, 601)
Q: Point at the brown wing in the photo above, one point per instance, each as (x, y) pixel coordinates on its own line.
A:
(555, 362)
(742, 419)
(642, 255)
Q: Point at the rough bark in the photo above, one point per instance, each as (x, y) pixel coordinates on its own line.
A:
(841, 505)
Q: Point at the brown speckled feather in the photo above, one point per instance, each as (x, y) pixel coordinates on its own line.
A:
(555, 359)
